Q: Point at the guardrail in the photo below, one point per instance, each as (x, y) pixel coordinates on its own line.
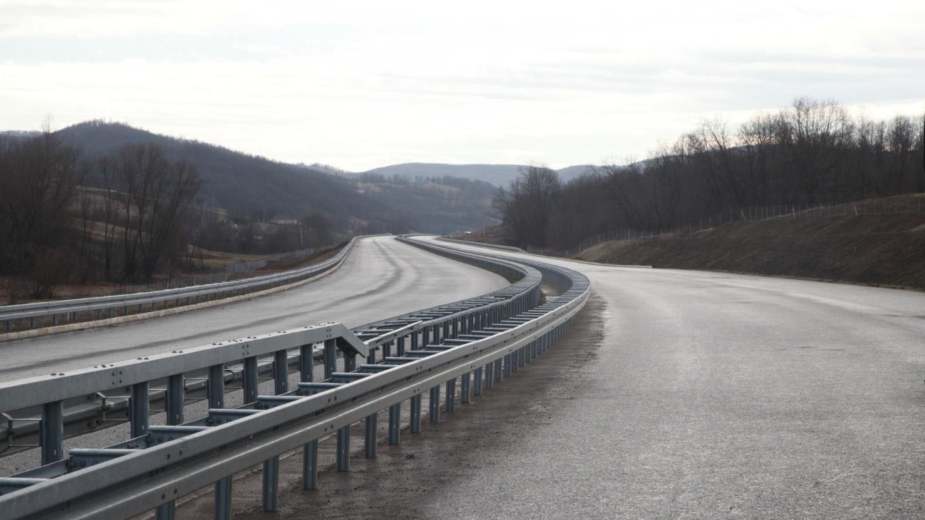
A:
(66, 311)
(108, 409)
(476, 342)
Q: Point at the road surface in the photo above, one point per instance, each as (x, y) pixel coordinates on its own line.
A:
(683, 394)
(382, 277)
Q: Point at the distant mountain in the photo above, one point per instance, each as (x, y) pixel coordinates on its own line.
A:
(497, 174)
(254, 186)
(573, 172)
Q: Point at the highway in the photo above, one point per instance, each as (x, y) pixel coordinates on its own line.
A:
(381, 278)
(681, 394)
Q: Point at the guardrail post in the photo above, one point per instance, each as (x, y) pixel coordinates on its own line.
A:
(280, 372)
(249, 380)
(394, 424)
(306, 363)
(222, 509)
(175, 399)
(434, 405)
(350, 361)
(464, 388)
(166, 511)
(139, 409)
(310, 465)
(51, 436)
(414, 340)
(499, 373)
(425, 337)
(216, 388)
(450, 395)
(416, 414)
(343, 449)
(371, 355)
(330, 357)
(370, 438)
(400, 346)
(477, 377)
(271, 485)
(387, 349)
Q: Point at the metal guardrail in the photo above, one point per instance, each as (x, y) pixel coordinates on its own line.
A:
(107, 409)
(475, 346)
(63, 311)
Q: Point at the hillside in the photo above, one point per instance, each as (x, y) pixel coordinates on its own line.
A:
(242, 184)
(876, 241)
(496, 174)
(442, 204)
(252, 186)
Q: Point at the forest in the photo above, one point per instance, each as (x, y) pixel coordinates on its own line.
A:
(810, 154)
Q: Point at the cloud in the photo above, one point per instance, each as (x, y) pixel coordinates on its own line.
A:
(361, 84)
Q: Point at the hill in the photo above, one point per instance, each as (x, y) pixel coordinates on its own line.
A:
(256, 187)
(497, 174)
(243, 184)
(876, 241)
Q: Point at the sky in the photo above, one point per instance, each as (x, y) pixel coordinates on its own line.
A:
(358, 85)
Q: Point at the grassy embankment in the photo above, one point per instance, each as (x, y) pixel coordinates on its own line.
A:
(875, 242)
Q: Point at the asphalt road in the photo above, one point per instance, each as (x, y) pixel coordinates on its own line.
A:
(683, 395)
(382, 277)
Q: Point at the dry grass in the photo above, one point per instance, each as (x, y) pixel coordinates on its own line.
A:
(877, 242)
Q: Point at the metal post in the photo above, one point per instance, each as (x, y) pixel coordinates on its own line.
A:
(434, 405)
(306, 363)
(394, 424)
(280, 372)
(350, 361)
(425, 337)
(249, 379)
(450, 395)
(370, 440)
(343, 449)
(310, 466)
(414, 340)
(139, 409)
(400, 346)
(416, 414)
(52, 433)
(271, 485)
(223, 499)
(330, 357)
(166, 511)
(498, 371)
(175, 397)
(464, 388)
(216, 388)
(477, 387)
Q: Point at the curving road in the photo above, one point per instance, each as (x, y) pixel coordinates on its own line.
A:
(685, 394)
(382, 277)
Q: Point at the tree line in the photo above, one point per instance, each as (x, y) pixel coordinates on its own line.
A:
(54, 228)
(811, 153)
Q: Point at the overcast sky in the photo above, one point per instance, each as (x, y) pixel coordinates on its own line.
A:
(365, 84)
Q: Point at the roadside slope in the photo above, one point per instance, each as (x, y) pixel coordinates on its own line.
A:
(877, 242)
